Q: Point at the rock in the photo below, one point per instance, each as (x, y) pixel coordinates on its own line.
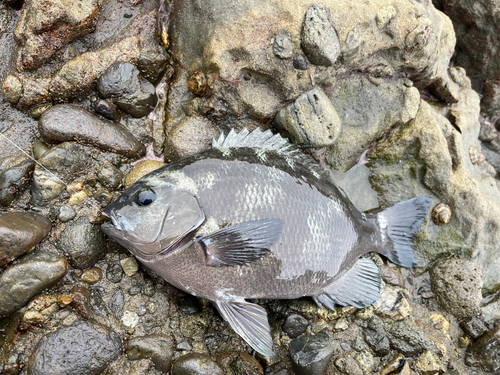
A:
(295, 325)
(282, 46)
(428, 364)
(122, 84)
(20, 232)
(37, 112)
(77, 198)
(239, 363)
(300, 62)
(91, 275)
(457, 284)
(191, 135)
(45, 26)
(196, 364)
(474, 327)
(63, 162)
(102, 196)
(114, 273)
(311, 354)
(378, 342)
(12, 89)
(392, 304)
(84, 348)
(15, 175)
(485, 352)
(318, 38)
(129, 265)
(39, 148)
(81, 300)
(105, 108)
(152, 63)
(158, 348)
(310, 120)
(130, 319)
(34, 273)
(66, 213)
(189, 305)
(67, 122)
(83, 243)
(110, 176)
(141, 169)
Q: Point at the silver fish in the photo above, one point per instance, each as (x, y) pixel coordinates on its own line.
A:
(254, 217)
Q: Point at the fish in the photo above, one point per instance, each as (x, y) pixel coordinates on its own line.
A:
(254, 217)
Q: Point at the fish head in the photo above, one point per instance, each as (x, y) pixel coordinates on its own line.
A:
(151, 219)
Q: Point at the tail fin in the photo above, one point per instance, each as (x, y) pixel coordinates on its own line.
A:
(398, 223)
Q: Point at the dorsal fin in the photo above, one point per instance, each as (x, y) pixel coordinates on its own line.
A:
(266, 140)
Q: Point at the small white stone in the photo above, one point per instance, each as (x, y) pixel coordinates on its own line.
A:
(129, 265)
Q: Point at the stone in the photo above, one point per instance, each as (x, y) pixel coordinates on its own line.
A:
(20, 232)
(191, 135)
(300, 62)
(45, 26)
(117, 302)
(110, 176)
(37, 112)
(427, 364)
(485, 352)
(282, 46)
(77, 198)
(105, 108)
(295, 325)
(474, 327)
(392, 304)
(457, 284)
(66, 213)
(239, 363)
(311, 119)
(158, 348)
(83, 348)
(39, 148)
(80, 296)
(114, 273)
(377, 342)
(318, 37)
(83, 243)
(103, 196)
(91, 275)
(311, 354)
(15, 175)
(196, 364)
(12, 89)
(34, 273)
(141, 169)
(63, 163)
(152, 63)
(122, 84)
(129, 265)
(67, 122)
(130, 319)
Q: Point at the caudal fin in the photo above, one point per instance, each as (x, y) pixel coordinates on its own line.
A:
(398, 224)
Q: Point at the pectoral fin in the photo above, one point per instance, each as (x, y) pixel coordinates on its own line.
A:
(250, 322)
(241, 244)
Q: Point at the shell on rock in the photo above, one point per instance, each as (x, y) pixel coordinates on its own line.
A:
(476, 157)
(197, 84)
(441, 214)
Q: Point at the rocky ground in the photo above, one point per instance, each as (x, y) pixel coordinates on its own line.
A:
(100, 92)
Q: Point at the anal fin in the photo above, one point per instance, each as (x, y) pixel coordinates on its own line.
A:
(358, 287)
(250, 322)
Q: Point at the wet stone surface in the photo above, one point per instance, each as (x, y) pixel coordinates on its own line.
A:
(158, 348)
(15, 175)
(295, 325)
(196, 364)
(311, 354)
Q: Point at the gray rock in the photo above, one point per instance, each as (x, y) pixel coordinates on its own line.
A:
(295, 325)
(485, 352)
(105, 108)
(311, 354)
(83, 243)
(377, 342)
(19, 232)
(84, 348)
(67, 122)
(196, 364)
(152, 63)
(122, 84)
(34, 273)
(64, 161)
(114, 273)
(15, 175)
(282, 46)
(117, 302)
(110, 176)
(158, 348)
(300, 62)
(103, 196)
(311, 119)
(319, 38)
(474, 327)
(457, 283)
(66, 213)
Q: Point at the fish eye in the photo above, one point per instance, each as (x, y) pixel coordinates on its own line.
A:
(145, 197)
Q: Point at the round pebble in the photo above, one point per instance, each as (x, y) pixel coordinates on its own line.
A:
(66, 213)
(295, 325)
(196, 364)
(91, 275)
(105, 108)
(129, 265)
(77, 198)
(130, 319)
(114, 273)
(110, 176)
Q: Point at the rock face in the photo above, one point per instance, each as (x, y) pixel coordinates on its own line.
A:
(84, 348)
(33, 274)
(19, 232)
(66, 122)
(41, 34)
(15, 174)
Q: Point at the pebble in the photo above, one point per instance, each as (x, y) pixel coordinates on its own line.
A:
(130, 319)
(474, 327)
(34, 273)
(83, 348)
(282, 46)
(485, 352)
(39, 148)
(135, 290)
(152, 307)
(67, 122)
(341, 325)
(377, 342)
(142, 310)
(427, 364)
(191, 135)
(311, 354)
(114, 273)
(158, 348)
(103, 197)
(311, 119)
(83, 243)
(117, 302)
(319, 39)
(392, 304)
(393, 365)
(152, 63)
(66, 213)
(110, 176)
(81, 300)
(196, 364)
(141, 169)
(457, 284)
(129, 265)
(239, 363)
(300, 62)
(20, 232)
(122, 83)
(15, 175)
(295, 325)
(105, 108)
(74, 187)
(77, 198)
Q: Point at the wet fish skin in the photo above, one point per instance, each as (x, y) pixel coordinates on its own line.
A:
(246, 222)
